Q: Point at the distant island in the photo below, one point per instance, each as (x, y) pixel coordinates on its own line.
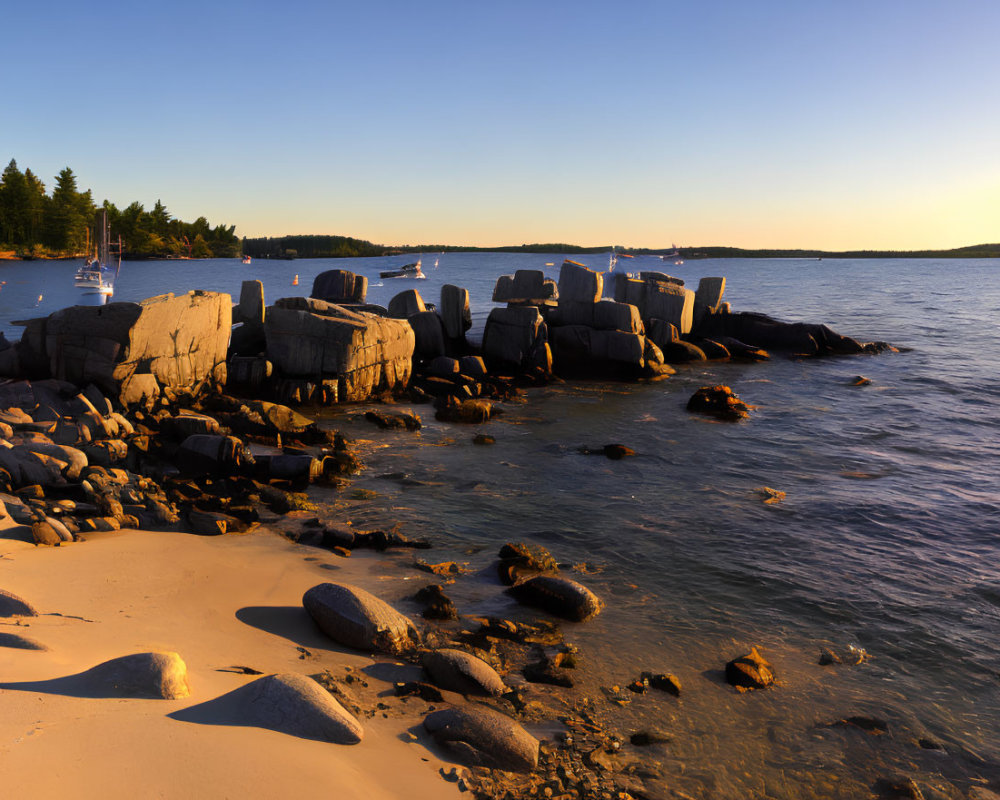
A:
(318, 246)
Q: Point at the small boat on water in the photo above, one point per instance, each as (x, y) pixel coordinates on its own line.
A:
(246, 259)
(405, 271)
(96, 276)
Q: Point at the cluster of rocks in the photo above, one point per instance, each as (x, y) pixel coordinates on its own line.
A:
(70, 464)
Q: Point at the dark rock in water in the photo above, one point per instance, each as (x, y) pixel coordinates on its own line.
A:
(680, 352)
(401, 421)
(462, 672)
(483, 438)
(518, 559)
(720, 402)
(860, 380)
(714, 351)
(18, 642)
(471, 412)
(544, 671)
(876, 727)
(892, 788)
(354, 617)
(422, 690)
(665, 682)
(13, 606)
(747, 352)
(478, 736)
(646, 738)
(439, 605)
(616, 452)
(750, 671)
(559, 596)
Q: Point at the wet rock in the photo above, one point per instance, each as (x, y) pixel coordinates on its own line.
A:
(646, 738)
(860, 380)
(616, 452)
(483, 439)
(354, 617)
(665, 682)
(469, 412)
(559, 596)
(401, 421)
(212, 523)
(13, 606)
(720, 402)
(518, 559)
(438, 604)
(546, 672)
(156, 675)
(872, 725)
(462, 672)
(769, 495)
(750, 671)
(892, 788)
(478, 736)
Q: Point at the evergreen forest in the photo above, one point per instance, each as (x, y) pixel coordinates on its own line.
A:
(36, 224)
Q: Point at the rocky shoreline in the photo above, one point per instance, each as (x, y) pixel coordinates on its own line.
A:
(163, 416)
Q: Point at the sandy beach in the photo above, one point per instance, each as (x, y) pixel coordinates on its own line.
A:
(221, 603)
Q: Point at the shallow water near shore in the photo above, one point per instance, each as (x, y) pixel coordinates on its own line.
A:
(887, 539)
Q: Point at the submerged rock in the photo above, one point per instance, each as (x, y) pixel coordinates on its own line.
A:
(559, 596)
(354, 617)
(518, 559)
(720, 402)
(478, 736)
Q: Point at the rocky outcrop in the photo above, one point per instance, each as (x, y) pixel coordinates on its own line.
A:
(133, 351)
(478, 736)
(455, 311)
(802, 338)
(719, 402)
(364, 352)
(515, 337)
(354, 617)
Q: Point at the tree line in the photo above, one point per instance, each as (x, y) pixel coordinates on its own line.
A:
(35, 224)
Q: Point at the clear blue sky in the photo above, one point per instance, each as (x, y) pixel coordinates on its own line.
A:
(777, 123)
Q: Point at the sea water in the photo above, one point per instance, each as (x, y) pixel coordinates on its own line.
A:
(886, 541)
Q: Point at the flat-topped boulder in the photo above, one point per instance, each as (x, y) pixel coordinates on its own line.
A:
(525, 287)
(579, 284)
(172, 342)
(365, 352)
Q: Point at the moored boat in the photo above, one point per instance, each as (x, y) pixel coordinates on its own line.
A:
(405, 271)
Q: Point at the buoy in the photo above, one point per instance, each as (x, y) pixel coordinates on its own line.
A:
(39, 298)
(295, 281)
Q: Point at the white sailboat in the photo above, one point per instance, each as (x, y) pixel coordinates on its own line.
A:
(97, 276)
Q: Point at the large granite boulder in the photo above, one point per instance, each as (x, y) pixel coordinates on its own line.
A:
(513, 335)
(179, 341)
(578, 349)
(152, 675)
(669, 302)
(340, 286)
(352, 616)
(708, 298)
(559, 596)
(455, 311)
(366, 353)
(579, 284)
(405, 304)
(481, 737)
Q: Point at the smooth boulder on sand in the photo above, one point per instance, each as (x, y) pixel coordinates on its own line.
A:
(357, 618)
(480, 737)
(286, 702)
(463, 672)
(160, 676)
(13, 606)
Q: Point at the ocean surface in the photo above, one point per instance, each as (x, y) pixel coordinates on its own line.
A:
(888, 540)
